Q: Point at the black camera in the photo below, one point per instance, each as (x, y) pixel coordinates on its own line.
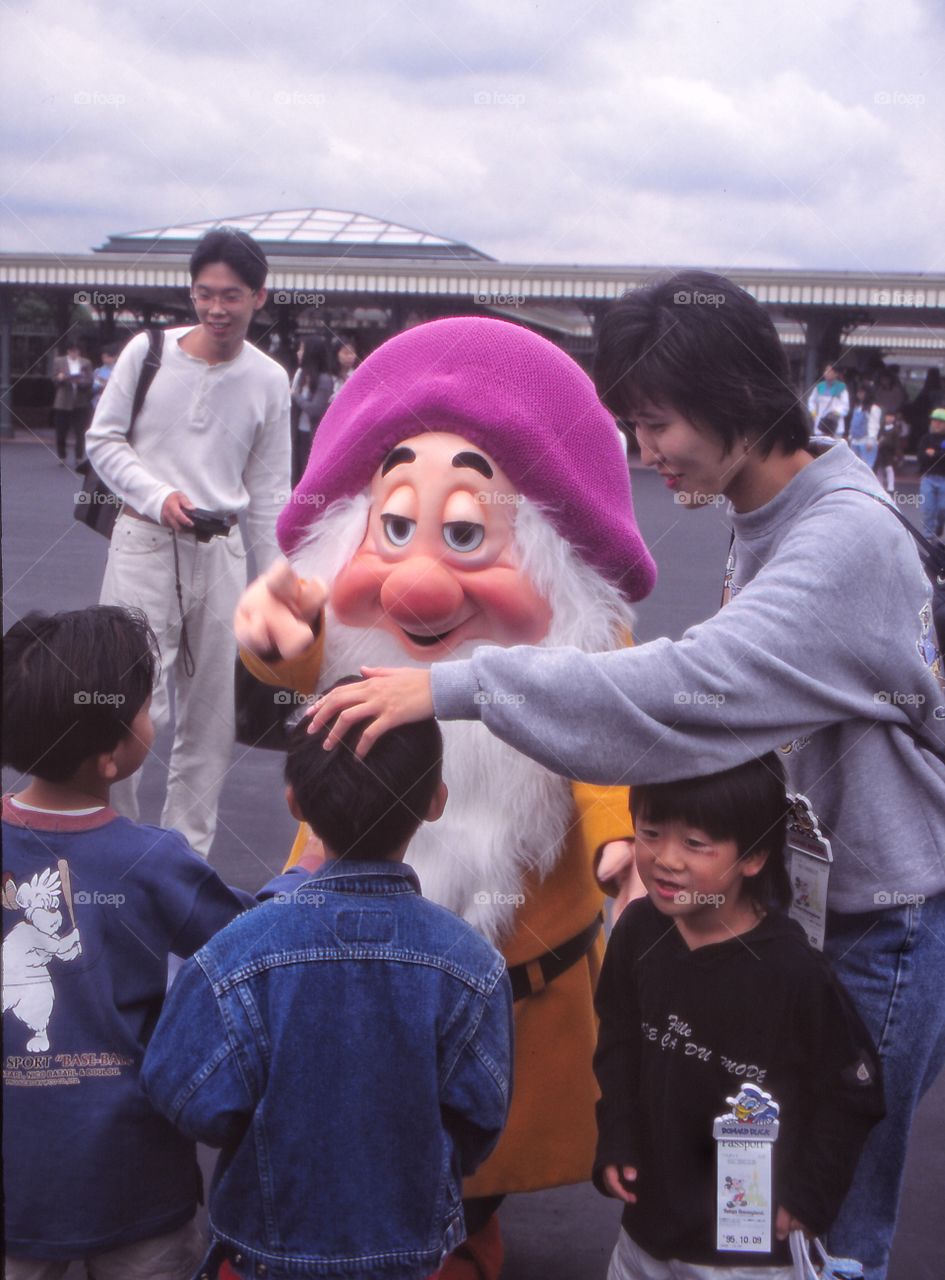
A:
(209, 524)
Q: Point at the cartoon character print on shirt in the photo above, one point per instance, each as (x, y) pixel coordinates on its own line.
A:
(927, 647)
(730, 587)
(32, 944)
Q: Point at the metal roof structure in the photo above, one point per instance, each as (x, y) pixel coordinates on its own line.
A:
(302, 233)
(353, 270)
(918, 296)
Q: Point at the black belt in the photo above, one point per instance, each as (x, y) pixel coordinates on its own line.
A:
(533, 976)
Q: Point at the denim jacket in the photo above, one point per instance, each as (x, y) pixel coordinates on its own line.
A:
(348, 1045)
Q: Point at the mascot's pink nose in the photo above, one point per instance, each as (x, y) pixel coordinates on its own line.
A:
(421, 593)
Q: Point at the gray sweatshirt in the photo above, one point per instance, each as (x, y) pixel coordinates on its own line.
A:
(825, 651)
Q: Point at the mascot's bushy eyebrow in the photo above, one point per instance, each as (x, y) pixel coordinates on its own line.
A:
(396, 457)
(474, 460)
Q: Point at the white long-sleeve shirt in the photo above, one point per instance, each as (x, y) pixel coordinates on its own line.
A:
(829, 398)
(218, 433)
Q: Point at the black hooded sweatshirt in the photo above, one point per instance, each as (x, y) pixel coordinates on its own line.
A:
(681, 1030)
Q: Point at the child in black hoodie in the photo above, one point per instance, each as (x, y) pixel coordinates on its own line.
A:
(707, 986)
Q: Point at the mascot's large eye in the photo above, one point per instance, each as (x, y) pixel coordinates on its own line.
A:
(399, 529)
(463, 535)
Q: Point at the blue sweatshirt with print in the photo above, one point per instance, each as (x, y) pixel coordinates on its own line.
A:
(93, 907)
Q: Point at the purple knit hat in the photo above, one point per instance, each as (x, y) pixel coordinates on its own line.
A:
(516, 396)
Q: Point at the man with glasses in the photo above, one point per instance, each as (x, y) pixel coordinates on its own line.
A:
(210, 442)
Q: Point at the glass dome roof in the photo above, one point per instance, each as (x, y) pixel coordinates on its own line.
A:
(303, 232)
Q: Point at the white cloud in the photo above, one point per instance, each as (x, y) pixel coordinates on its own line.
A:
(663, 132)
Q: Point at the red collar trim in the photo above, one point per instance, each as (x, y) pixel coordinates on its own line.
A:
(56, 821)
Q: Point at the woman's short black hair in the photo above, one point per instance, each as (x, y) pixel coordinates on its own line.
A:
(72, 685)
(747, 804)
(365, 809)
(238, 250)
(697, 343)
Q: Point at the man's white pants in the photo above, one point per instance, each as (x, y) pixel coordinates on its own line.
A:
(140, 573)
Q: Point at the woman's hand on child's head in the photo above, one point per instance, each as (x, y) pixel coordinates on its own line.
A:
(276, 611)
(785, 1223)
(388, 697)
(615, 1179)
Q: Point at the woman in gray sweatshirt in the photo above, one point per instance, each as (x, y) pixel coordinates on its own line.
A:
(825, 650)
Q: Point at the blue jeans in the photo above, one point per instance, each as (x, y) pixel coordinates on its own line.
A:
(932, 494)
(892, 963)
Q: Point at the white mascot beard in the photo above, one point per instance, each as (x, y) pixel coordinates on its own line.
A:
(506, 815)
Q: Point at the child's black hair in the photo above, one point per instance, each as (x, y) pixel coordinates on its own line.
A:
(237, 249)
(365, 809)
(747, 804)
(72, 685)
(697, 343)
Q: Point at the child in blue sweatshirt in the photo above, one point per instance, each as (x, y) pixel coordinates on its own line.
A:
(94, 905)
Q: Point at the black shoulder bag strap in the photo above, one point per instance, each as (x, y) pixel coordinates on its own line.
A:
(96, 506)
(152, 362)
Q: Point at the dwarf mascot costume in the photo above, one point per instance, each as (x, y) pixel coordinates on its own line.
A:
(466, 487)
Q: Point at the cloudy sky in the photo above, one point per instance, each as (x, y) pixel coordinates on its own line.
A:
(733, 133)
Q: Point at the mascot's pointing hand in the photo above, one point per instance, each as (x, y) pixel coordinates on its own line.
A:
(276, 612)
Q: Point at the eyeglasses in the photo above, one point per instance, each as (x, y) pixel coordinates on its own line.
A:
(229, 297)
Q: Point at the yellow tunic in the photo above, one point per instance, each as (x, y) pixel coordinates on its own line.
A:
(551, 1134)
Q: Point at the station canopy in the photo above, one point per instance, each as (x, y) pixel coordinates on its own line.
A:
(303, 233)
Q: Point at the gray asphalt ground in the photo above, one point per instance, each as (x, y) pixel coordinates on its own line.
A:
(50, 562)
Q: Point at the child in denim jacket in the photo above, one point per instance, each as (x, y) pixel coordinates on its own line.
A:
(347, 1044)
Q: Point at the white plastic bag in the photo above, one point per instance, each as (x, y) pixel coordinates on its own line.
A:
(832, 1268)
